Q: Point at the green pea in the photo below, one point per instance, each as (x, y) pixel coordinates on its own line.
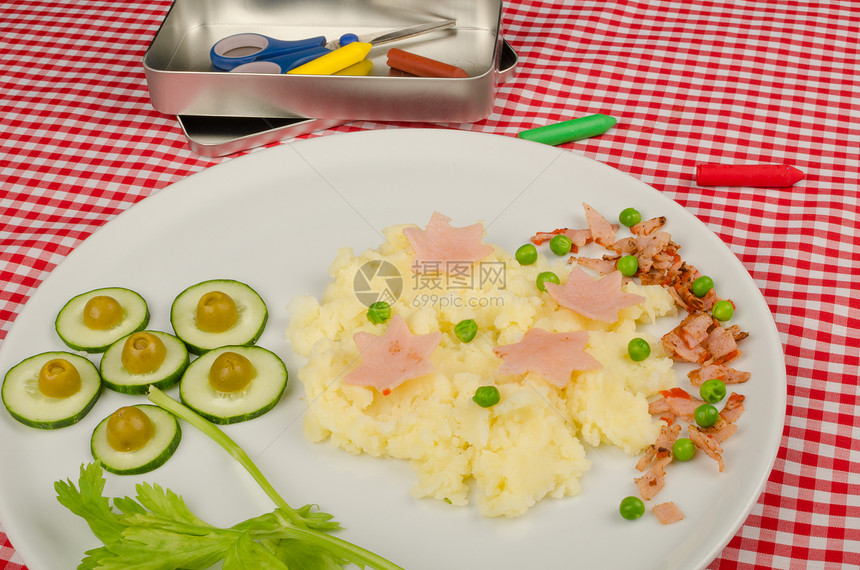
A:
(706, 415)
(379, 312)
(487, 396)
(713, 390)
(628, 265)
(631, 508)
(466, 330)
(545, 276)
(629, 217)
(526, 254)
(560, 244)
(723, 310)
(638, 349)
(683, 449)
(702, 285)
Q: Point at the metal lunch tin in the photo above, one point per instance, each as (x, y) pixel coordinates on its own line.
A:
(182, 80)
(221, 136)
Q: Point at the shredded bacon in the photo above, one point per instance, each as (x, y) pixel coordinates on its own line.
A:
(602, 232)
(701, 339)
(717, 371)
(677, 402)
(646, 227)
(578, 238)
(733, 407)
(707, 443)
(721, 431)
(661, 448)
(653, 481)
(667, 513)
(601, 266)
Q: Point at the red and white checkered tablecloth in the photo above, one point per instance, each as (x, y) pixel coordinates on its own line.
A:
(690, 81)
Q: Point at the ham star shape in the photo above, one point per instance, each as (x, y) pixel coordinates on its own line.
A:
(598, 299)
(552, 355)
(440, 244)
(392, 358)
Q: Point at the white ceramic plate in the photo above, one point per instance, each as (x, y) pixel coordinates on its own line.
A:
(275, 219)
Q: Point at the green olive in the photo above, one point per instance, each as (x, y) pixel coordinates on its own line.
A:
(102, 312)
(58, 378)
(143, 352)
(231, 372)
(216, 312)
(129, 429)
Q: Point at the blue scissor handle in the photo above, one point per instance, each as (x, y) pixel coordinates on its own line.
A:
(260, 47)
(281, 63)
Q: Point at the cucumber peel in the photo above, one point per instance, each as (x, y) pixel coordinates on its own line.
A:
(117, 378)
(154, 454)
(25, 403)
(252, 316)
(257, 398)
(77, 336)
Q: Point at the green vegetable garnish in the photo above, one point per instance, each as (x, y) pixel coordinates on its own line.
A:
(560, 244)
(628, 265)
(157, 530)
(638, 349)
(706, 415)
(378, 312)
(466, 330)
(526, 254)
(629, 217)
(713, 390)
(702, 285)
(545, 276)
(487, 396)
(723, 310)
(683, 449)
(631, 508)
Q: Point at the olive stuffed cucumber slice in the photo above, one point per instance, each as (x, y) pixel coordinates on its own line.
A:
(94, 320)
(218, 312)
(51, 390)
(233, 384)
(143, 359)
(135, 439)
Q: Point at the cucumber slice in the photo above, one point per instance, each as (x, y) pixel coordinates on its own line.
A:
(28, 405)
(117, 378)
(78, 336)
(257, 398)
(247, 330)
(154, 454)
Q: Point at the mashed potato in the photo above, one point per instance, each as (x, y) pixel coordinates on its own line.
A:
(507, 457)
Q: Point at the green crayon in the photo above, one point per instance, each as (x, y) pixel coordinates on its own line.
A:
(572, 130)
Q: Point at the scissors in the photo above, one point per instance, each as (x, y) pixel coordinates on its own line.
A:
(252, 52)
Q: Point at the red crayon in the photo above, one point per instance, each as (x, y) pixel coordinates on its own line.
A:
(422, 66)
(758, 175)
